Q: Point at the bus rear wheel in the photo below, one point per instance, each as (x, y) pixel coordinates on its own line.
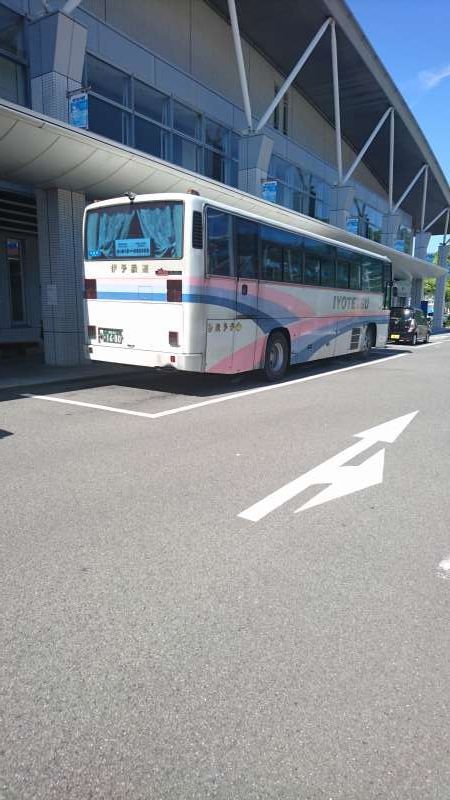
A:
(277, 356)
(368, 341)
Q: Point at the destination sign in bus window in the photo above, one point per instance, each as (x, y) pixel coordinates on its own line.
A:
(130, 248)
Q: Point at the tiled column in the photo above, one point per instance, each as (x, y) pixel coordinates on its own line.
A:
(420, 251)
(60, 216)
(341, 203)
(255, 151)
(57, 46)
(391, 224)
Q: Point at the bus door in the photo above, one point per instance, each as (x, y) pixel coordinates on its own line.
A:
(246, 329)
(219, 297)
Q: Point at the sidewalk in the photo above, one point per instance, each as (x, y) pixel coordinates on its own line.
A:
(31, 371)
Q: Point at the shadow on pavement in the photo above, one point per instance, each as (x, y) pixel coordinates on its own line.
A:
(192, 384)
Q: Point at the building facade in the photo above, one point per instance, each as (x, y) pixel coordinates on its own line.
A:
(159, 77)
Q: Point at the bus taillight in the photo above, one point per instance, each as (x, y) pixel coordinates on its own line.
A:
(174, 291)
(90, 289)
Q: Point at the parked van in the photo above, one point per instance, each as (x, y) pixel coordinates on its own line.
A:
(408, 325)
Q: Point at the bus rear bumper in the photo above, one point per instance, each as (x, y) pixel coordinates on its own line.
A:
(192, 362)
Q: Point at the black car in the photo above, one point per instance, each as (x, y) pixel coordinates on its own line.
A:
(409, 325)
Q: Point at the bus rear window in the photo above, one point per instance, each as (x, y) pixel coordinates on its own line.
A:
(139, 230)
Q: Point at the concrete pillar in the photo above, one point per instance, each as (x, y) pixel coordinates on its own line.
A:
(420, 251)
(439, 297)
(60, 217)
(389, 231)
(57, 45)
(255, 151)
(416, 292)
(421, 242)
(342, 198)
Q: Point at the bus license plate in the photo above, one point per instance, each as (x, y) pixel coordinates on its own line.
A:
(110, 335)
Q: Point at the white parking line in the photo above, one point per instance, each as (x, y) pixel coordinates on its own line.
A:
(221, 399)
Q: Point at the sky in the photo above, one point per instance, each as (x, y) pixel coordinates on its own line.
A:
(412, 39)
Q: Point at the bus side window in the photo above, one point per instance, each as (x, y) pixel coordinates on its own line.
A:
(272, 254)
(220, 243)
(372, 274)
(342, 273)
(293, 259)
(355, 276)
(327, 265)
(312, 262)
(247, 245)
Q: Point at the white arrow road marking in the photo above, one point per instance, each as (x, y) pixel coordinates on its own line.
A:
(342, 480)
(444, 568)
(346, 480)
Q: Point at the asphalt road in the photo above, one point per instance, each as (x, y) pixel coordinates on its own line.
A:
(157, 645)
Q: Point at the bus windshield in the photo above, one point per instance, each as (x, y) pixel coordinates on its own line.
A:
(152, 230)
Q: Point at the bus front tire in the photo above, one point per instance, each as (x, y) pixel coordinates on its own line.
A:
(277, 356)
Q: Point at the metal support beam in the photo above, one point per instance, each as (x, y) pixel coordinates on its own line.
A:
(424, 198)
(438, 216)
(336, 101)
(408, 189)
(240, 62)
(369, 141)
(291, 77)
(447, 220)
(391, 160)
(70, 6)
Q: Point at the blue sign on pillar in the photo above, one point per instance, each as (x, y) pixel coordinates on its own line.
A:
(269, 191)
(78, 109)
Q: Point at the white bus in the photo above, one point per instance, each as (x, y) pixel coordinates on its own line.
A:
(177, 280)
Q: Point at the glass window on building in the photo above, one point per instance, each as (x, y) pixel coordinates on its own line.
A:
(186, 153)
(150, 138)
(11, 32)
(186, 121)
(126, 109)
(404, 239)
(366, 221)
(108, 120)
(107, 81)
(13, 76)
(150, 103)
(299, 190)
(12, 81)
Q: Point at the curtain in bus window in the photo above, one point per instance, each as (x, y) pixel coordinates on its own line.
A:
(163, 226)
(111, 226)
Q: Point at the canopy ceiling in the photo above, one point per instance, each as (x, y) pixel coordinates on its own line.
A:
(45, 153)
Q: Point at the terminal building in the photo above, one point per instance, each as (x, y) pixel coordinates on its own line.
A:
(284, 101)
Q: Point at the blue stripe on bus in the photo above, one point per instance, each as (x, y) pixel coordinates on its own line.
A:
(263, 320)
